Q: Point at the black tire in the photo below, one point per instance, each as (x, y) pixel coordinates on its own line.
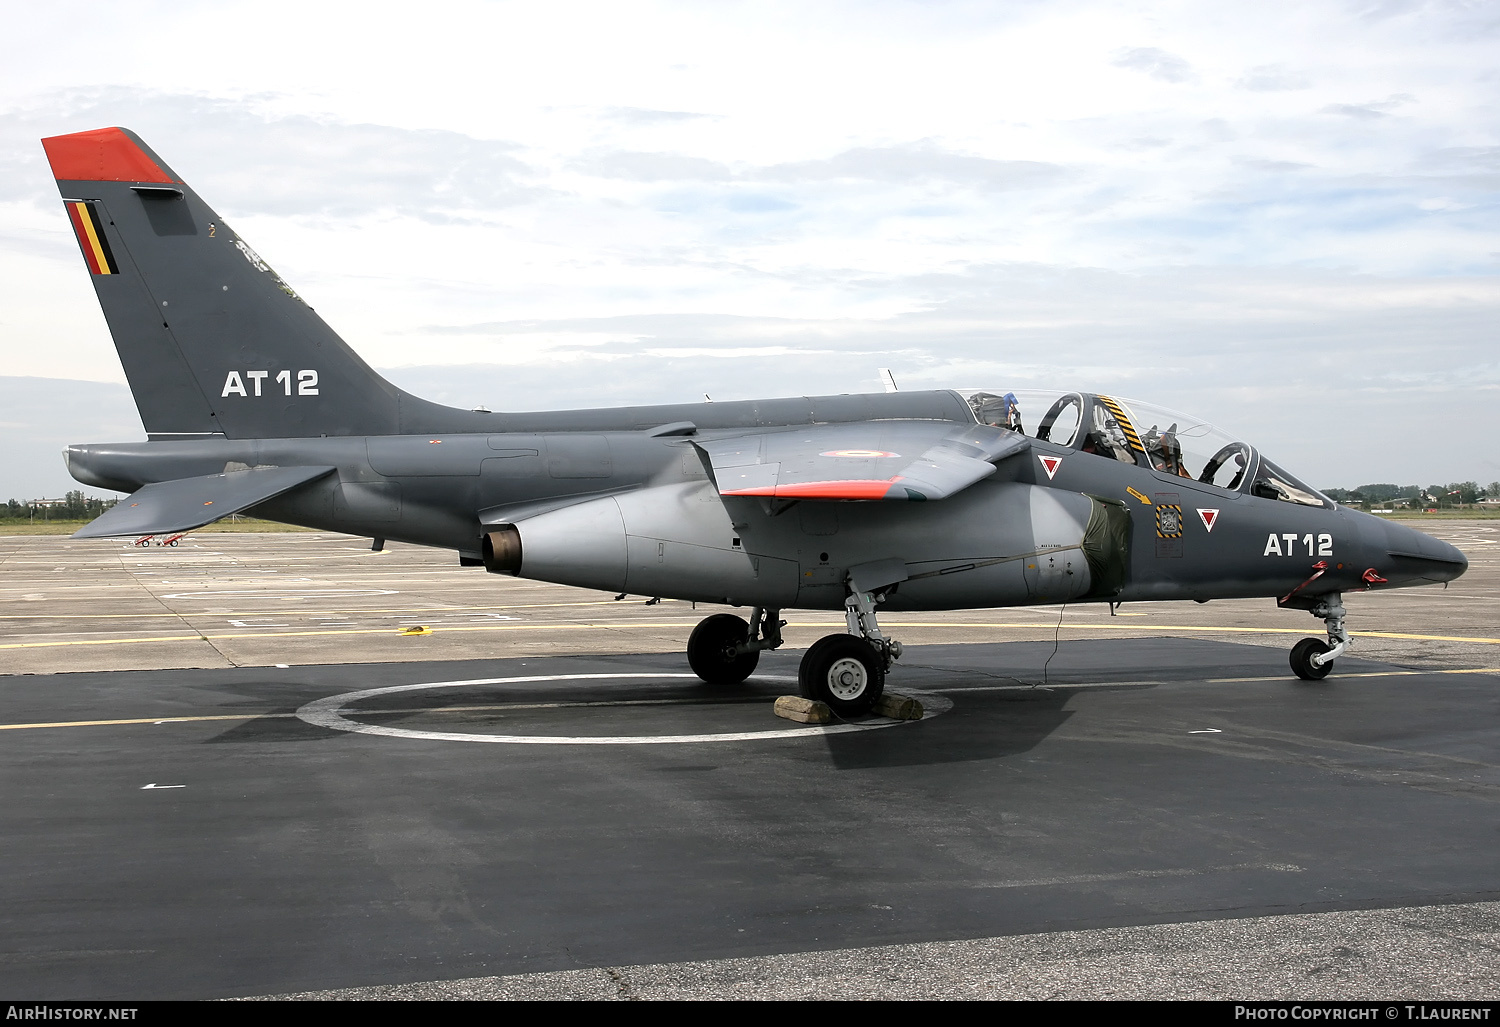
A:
(844, 671)
(710, 650)
(1301, 659)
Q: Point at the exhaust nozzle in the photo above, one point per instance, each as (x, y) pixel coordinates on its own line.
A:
(502, 550)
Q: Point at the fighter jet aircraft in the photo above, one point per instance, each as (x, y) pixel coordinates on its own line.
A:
(931, 500)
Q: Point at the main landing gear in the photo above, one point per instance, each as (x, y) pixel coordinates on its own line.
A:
(1312, 658)
(723, 649)
(846, 671)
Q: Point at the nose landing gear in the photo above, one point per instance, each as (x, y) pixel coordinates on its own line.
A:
(1311, 658)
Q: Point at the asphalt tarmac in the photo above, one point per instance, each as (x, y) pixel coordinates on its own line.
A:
(281, 764)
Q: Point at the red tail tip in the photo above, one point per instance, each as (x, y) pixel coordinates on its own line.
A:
(103, 155)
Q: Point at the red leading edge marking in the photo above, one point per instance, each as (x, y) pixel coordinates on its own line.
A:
(103, 155)
(863, 488)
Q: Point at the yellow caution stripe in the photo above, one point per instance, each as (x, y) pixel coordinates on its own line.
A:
(1124, 423)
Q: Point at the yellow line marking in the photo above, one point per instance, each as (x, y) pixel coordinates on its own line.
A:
(202, 638)
(300, 613)
(1425, 638)
(657, 625)
(1199, 629)
(1360, 674)
(395, 632)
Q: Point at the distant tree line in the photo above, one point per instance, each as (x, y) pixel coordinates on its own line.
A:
(1441, 497)
(74, 506)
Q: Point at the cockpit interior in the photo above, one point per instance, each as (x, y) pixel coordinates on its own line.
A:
(1169, 442)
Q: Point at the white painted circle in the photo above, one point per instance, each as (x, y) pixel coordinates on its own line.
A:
(332, 713)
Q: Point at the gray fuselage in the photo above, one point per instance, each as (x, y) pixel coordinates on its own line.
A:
(623, 500)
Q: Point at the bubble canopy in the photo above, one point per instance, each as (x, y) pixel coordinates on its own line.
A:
(1169, 442)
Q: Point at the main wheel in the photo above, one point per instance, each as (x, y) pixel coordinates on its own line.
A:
(710, 650)
(843, 671)
(1302, 664)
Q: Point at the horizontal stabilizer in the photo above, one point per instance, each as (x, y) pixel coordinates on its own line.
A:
(903, 460)
(188, 503)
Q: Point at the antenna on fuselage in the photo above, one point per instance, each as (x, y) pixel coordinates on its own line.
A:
(887, 379)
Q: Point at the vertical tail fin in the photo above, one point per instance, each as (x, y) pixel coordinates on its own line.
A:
(212, 340)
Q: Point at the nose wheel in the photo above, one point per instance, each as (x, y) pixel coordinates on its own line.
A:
(1302, 659)
(1312, 658)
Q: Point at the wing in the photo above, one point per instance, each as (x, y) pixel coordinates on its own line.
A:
(905, 460)
(189, 503)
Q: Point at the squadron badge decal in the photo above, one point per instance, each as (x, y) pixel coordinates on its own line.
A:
(1168, 521)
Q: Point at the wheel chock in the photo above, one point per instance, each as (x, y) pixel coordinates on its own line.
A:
(899, 707)
(803, 711)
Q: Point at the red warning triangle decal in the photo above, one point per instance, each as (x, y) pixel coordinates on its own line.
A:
(1210, 518)
(1050, 464)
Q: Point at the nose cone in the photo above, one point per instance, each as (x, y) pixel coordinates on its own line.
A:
(1418, 558)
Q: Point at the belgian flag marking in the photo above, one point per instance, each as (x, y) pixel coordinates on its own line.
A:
(91, 240)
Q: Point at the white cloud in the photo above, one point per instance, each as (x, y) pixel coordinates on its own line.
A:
(1372, 110)
(1157, 63)
(1269, 78)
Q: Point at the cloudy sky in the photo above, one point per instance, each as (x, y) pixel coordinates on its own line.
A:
(1281, 216)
